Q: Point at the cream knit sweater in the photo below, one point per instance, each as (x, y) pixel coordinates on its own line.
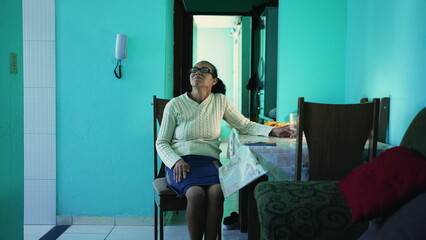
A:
(191, 128)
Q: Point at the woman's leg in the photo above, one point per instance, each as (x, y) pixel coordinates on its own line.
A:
(196, 212)
(214, 211)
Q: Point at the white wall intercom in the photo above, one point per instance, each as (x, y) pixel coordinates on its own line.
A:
(121, 47)
(120, 52)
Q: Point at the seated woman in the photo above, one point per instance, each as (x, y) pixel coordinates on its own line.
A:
(188, 143)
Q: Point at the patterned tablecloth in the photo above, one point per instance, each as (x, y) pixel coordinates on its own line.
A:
(253, 156)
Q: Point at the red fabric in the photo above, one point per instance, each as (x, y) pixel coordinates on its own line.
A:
(378, 187)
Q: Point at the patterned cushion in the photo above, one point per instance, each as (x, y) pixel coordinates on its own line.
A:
(304, 210)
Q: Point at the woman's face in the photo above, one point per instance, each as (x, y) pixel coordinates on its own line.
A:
(202, 80)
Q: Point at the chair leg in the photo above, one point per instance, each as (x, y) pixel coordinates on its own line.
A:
(161, 225)
(155, 221)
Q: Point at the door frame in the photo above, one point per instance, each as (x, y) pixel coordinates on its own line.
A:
(183, 43)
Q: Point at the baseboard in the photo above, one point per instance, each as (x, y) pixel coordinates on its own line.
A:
(99, 220)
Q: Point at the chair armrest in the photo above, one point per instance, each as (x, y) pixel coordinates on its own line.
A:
(304, 210)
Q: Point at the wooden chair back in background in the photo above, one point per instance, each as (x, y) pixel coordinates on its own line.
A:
(336, 135)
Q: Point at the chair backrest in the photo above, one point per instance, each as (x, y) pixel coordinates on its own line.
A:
(336, 135)
(383, 120)
(415, 136)
(382, 130)
(158, 108)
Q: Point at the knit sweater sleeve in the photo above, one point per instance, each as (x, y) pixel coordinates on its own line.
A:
(241, 123)
(165, 135)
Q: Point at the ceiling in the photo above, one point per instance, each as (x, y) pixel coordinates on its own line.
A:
(208, 21)
(225, 6)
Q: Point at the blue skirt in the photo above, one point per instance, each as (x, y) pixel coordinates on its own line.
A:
(203, 172)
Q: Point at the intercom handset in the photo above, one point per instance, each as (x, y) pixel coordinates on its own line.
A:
(120, 52)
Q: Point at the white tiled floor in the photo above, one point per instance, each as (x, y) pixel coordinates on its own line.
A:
(35, 232)
(97, 232)
(176, 229)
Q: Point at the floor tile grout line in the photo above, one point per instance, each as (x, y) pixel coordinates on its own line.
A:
(55, 232)
(113, 227)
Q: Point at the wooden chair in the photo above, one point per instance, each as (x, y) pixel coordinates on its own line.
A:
(164, 198)
(382, 130)
(336, 135)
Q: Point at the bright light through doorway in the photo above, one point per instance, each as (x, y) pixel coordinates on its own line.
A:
(216, 21)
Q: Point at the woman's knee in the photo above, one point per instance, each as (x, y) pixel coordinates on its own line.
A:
(215, 193)
(196, 194)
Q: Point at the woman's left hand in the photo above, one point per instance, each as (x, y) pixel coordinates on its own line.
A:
(281, 132)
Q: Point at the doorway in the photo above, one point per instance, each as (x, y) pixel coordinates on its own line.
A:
(225, 42)
(220, 40)
(244, 73)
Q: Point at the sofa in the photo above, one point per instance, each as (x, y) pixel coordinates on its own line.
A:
(382, 199)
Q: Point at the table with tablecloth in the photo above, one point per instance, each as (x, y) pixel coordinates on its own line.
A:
(251, 157)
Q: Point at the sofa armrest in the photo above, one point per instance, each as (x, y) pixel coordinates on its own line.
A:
(304, 210)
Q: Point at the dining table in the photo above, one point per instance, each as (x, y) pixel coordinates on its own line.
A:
(253, 159)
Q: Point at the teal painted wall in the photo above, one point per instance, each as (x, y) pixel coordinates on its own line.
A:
(311, 53)
(386, 56)
(383, 56)
(104, 124)
(11, 124)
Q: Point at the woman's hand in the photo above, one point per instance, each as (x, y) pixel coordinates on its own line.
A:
(281, 132)
(180, 170)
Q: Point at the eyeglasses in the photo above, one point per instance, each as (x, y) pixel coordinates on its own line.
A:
(202, 69)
